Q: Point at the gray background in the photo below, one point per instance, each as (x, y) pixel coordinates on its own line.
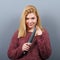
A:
(10, 13)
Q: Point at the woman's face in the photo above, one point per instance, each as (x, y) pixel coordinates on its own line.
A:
(31, 20)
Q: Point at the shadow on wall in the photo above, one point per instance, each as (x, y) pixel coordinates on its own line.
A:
(49, 22)
(8, 31)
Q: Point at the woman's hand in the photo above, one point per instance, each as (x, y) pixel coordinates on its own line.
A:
(26, 46)
(38, 31)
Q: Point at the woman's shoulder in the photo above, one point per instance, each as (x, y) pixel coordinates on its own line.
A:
(15, 33)
(45, 31)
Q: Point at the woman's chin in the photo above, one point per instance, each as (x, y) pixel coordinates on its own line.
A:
(30, 27)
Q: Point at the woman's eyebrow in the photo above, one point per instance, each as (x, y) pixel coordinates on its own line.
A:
(31, 17)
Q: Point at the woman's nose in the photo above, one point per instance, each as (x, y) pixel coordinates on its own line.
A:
(30, 20)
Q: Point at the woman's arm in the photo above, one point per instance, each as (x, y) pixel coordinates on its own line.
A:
(14, 50)
(44, 46)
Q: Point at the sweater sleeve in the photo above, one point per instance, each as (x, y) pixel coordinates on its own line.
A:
(44, 46)
(14, 50)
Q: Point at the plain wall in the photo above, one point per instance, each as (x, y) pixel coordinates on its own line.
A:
(10, 13)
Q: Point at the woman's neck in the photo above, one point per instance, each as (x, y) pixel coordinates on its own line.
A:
(30, 30)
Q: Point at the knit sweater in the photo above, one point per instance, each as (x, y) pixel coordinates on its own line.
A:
(40, 48)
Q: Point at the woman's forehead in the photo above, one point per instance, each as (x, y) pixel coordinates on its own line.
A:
(31, 15)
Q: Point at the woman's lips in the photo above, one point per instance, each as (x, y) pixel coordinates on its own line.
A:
(30, 24)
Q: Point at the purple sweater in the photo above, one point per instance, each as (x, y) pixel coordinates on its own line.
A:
(40, 49)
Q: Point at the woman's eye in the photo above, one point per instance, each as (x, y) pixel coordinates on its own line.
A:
(32, 18)
(27, 18)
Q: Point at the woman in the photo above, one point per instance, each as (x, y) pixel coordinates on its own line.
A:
(40, 48)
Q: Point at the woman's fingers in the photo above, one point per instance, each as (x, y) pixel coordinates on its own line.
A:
(26, 46)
